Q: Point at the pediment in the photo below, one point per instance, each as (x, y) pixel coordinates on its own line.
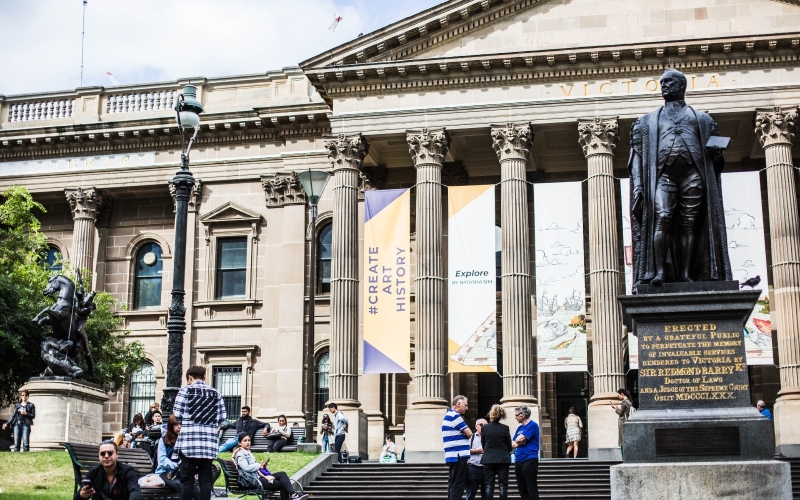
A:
(230, 212)
(463, 28)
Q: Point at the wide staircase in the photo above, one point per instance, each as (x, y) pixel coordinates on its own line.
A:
(558, 479)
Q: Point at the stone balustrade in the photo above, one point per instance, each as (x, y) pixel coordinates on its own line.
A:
(30, 111)
(139, 102)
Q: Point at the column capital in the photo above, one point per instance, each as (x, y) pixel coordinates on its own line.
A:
(775, 126)
(86, 203)
(283, 189)
(195, 188)
(346, 151)
(598, 136)
(428, 146)
(512, 141)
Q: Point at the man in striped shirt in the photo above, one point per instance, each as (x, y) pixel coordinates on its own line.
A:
(456, 434)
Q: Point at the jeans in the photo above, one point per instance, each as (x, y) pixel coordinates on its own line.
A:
(474, 481)
(526, 473)
(338, 441)
(22, 433)
(280, 483)
(457, 479)
(188, 468)
(228, 445)
(326, 444)
(276, 444)
(501, 471)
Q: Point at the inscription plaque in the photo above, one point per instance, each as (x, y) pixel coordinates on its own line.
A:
(692, 364)
(700, 441)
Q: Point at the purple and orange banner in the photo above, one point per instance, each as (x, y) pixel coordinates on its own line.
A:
(387, 281)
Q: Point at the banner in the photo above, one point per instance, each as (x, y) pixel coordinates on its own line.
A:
(471, 284)
(560, 277)
(387, 283)
(744, 223)
(627, 247)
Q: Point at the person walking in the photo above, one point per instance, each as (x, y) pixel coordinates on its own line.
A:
(339, 429)
(623, 410)
(22, 420)
(496, 442)
(326, 430)
(526, 453)
(574, 426)
(200, 410)
(456, 435)
(109, 479)
(475, 481)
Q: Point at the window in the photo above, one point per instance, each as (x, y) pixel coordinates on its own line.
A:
(143, 390)
(53, 254)
(322, 369)
(324, 252)
(231, 268)
(498, 258)
(228, 381)
(147, 282)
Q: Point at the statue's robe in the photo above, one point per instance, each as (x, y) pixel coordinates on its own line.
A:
(711, 262)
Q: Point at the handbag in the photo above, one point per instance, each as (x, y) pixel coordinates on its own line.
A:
(151, 481)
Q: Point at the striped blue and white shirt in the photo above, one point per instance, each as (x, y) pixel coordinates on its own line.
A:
(456, 444)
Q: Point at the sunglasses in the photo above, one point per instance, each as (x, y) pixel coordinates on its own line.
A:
(106, 453)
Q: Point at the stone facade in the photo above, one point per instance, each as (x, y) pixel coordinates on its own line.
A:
(550, 73)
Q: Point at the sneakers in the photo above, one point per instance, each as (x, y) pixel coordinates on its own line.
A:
(300, 496)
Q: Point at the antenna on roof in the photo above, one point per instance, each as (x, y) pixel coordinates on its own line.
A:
(83, 33)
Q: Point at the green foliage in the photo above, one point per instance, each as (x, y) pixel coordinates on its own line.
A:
(23, 277)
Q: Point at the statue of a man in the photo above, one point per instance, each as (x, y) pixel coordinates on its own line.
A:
(678, 221)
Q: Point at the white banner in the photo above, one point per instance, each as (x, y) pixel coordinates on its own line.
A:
(560, 277)
(471, 288)
(744, 222)
(627, 248)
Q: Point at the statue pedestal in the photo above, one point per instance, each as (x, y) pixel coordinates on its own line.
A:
(696, 434)
(67, 410)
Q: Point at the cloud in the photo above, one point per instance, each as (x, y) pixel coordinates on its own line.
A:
(153, 40)
(748, 263)
(745, 221)
(735, 244)
(552, 227)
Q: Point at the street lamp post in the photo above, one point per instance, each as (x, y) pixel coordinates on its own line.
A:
(314, 182)
(187, 109)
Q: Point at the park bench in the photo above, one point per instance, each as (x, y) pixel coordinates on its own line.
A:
(84, 457)
(231, 475)
(260, 442)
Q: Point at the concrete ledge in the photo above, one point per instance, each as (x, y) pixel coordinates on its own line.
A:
(309, 447)
(741, 480)
(605, 454)
(315, 469)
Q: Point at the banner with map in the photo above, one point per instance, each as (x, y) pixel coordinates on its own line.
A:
(627, 247)
(560, 277)
(744, 223)
(471, 283)
(387, 283)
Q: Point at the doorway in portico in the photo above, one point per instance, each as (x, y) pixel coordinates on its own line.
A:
(572, 390)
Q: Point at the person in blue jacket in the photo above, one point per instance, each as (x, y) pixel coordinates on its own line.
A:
(526, 453)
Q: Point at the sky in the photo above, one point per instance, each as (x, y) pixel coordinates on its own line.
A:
(163, 40)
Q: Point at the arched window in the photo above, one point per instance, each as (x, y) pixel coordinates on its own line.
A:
(149, 268)
(322, 369)
(53, 254)
(143, 390)
(324, 259)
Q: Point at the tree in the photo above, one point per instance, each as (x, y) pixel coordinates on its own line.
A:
(23, 276)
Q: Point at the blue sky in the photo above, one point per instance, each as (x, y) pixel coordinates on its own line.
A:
(157, 40)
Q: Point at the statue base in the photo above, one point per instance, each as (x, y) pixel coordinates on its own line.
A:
(67, 410)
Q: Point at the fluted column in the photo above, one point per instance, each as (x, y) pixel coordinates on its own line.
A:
(512, 143)
(774, 129)
(86, 205)
(598, 137)
(428, 149)
(345, 153)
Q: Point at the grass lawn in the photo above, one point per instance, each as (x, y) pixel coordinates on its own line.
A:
(48, 474)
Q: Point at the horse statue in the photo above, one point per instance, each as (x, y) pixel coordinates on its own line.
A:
(67, 317)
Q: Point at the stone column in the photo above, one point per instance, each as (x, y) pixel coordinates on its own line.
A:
(345, 153)
(774, 128)
(512, 143)
(86, 205)
(428, 147)
(598, 137)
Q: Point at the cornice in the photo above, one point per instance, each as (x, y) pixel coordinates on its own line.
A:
(564, 64)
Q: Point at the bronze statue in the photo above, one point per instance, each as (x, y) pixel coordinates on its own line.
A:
(677, 217)
(69, 344)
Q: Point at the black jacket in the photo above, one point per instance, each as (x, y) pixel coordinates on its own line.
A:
(26, 419)
(126, 487)
(496, 443)
(249, 425)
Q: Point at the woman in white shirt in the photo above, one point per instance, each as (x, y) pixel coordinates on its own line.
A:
(280, 435)
(389, 453)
